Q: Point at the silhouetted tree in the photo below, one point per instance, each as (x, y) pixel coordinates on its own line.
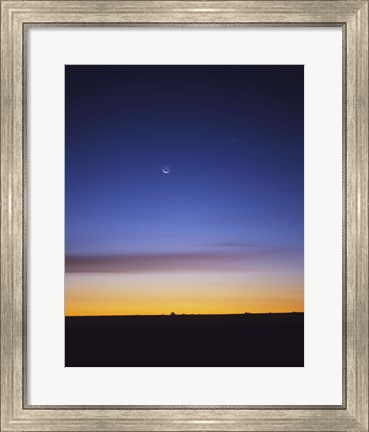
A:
(172, 314)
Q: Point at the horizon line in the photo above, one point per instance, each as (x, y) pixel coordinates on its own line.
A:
(184, 314)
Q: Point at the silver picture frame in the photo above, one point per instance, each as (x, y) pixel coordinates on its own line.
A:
(17, 17)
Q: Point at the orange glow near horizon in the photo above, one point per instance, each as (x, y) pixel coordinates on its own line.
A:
(96, 294)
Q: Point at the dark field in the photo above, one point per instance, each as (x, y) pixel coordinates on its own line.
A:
(186, 340)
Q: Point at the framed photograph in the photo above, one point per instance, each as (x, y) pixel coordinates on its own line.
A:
(184, 215)
(181, 239)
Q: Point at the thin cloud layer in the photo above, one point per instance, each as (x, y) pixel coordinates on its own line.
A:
(171, 262)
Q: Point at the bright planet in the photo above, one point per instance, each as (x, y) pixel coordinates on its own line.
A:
(166, 169)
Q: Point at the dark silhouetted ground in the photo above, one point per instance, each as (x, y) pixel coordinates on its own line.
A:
(186, 340)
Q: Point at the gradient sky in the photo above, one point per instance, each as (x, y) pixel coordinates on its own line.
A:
(223, 232)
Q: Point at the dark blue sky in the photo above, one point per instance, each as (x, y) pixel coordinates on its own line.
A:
(233, 137)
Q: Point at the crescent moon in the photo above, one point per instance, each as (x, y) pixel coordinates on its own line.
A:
(166, 170)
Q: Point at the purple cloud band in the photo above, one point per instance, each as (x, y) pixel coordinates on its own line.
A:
(189, 261)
